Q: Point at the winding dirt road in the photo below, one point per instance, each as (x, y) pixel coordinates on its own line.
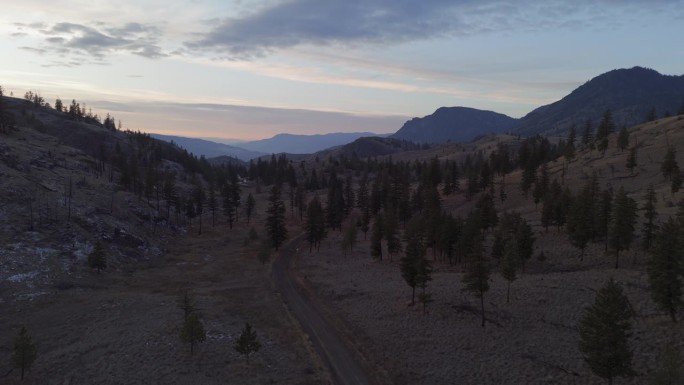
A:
(341, 360)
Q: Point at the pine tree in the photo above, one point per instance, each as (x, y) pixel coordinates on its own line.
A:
(24, 351)
(376, 238)
(314, 225)
(349, 238)
(649, 227)
(199, 196)
(212, 204)
(580, 218)
(605, 128)
(623, 219)
(249, 206)
(623, 138)
(666, 268)
(390, 232)
(247, 343)
(192, 331)
(275, 218)
(604, 332)
(97, 259)
(669, 165)
(186, 302)
(570, 145)
(632, 160)
(587, 134)
(525, 239)
(509, 265)
(476, 277)
(415, 268)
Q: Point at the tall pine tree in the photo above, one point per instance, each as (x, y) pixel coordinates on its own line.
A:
(275, 218)
(604, 332)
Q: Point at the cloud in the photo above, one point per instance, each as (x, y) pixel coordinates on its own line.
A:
(96, 41)
(380, 22)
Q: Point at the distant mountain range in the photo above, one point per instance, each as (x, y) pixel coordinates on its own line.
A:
(458, 124)
(303, 144)
(630, 94)
(208, 148)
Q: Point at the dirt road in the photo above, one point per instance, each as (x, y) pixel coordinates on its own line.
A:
(341, 360)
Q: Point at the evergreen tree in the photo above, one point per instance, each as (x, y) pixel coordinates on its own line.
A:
(669, 165)
(390, 232)
(415, 268)
(570, 145)
(476, 277)
(349, 238)
(275, 218)
(632, 160)
(376, 237)
(509, 265)
(605, 128)
(580, 218)
(528, 178)
(97, 259)
(192, 331)
(199, 197)
(623, 219)
(604, 331)
(603, 216)
(666, 268)
(623, 138)
(314, 225)
(649, 227)
(525, 239)
(247, 343)
(24, 351)
(186, 302)
(588, 134)
(249, 206)
(212, 204)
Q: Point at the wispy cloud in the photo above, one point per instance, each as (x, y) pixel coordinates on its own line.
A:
(95, 42)
(350, 23)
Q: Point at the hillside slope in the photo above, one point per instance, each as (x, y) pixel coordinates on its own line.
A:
(303, 144)
(630, 94)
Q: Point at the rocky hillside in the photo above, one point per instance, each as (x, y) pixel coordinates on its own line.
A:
(66, 185)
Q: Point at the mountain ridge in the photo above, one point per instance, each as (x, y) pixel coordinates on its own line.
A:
(630, 94)
(454, 124)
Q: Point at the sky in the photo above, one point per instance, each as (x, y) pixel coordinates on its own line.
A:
(249, 69)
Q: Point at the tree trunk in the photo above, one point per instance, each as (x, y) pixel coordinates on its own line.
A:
(413, 294)
(673, 314)
(617, 256)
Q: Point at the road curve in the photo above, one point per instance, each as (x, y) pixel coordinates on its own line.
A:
(341, 360)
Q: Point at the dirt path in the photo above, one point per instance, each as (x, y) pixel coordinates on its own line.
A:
(341, 360)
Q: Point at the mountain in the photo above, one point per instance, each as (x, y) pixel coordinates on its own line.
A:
(303, 144)
(208, 148)
(367, 147)
(458, 124)
(630, 94)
